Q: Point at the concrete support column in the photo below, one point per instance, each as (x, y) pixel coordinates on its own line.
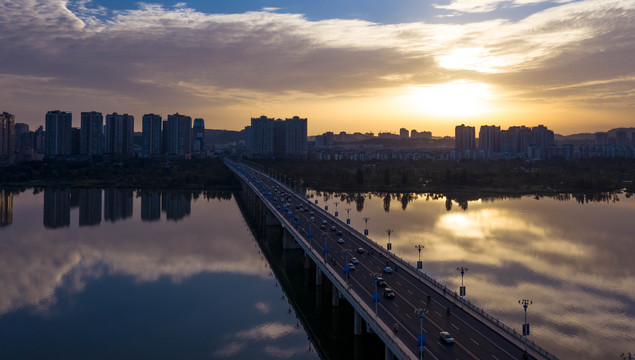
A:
(335, 298)
(318, 276)
(357, 325)
(307, 261)
(388, 354)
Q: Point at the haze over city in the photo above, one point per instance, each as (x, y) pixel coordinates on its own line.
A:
(353, 66)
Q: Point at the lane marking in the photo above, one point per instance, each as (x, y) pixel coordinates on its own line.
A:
(456, 327)
(494, 357)
(411, 293)
(398, 283)
(409, 317)
(436, 312)
(474, 341)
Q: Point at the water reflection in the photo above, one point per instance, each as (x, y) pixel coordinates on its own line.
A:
(196, 288)
(6, 208)
(57, 208)
(570, 254)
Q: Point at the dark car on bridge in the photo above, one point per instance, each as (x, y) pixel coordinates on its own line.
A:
(388, 293)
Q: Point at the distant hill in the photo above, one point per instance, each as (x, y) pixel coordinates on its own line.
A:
(222, 137)
(589, 138)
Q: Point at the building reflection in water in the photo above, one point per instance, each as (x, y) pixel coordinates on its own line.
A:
(117, 204)
(6, 208)
(89, 207)
(57, 208)
(176, 205)
(150, 206)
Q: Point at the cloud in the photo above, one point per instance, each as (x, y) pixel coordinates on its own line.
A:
(268, 331)
(157, 58)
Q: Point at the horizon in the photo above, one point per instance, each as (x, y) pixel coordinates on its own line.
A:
(366, 65)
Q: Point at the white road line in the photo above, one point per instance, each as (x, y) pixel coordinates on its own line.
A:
(456, 327)
(411, 293)
(474, 341)
(398, 283)
(494, 357)
(443, 346)
(396, 305)
(436, 312)
(409, 317)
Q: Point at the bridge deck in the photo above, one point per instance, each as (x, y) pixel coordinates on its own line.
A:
(477, 335)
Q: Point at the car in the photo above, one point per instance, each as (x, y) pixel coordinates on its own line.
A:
(446, 337)
(296, 218)
(360, 250)
(322, 226)
(381, 282)
(311, 212)
(339, 232)
(340, 241)
(351, 266)
(324, 222)
(354, 260)
(388, 270)
(388, 293)
(333, 228)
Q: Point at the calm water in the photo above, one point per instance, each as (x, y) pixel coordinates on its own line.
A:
(112, 274)
(128, 275)
(574, 259)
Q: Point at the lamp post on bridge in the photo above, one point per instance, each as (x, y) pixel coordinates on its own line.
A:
(389, 245)
(376, 293)
(348, 216)
(463, 269)
(525, 303)
(336, 208)
(366, 227)
(421, 339)
(419, 263)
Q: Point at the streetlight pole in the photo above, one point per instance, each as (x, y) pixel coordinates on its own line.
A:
(336, 208)
(389, 246)
(525, 303)
(366, 228)
(376, 293)
(463, 269)
(419, 263)
(420, 340)
(348, 216)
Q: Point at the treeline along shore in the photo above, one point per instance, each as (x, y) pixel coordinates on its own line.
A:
(504, 177)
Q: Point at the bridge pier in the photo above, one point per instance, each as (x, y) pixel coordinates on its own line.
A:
(318, 276)
(288, 242)
(357, 325)
(335, 296)
(388, 354)
(307, 261)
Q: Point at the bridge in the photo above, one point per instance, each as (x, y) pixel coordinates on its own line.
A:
(409, 324)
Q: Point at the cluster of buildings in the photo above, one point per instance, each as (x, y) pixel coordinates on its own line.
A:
(276, 138)
(174, 137)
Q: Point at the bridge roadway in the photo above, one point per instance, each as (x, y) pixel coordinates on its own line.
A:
(474, 337)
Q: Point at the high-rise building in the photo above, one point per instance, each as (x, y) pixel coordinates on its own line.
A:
(198, 137)
(119, 135)
(465, 138)
(295, 137)
(7, 137)
(179, 135)
(151, 135)
(92, 134)
(542, 137)
(516, 139)
(621, 138)
(21, 131)
(489, 138)
(58, 141)
(261, 137)
(601, 138)
(39, 140)
(279, 138)
(404, 133)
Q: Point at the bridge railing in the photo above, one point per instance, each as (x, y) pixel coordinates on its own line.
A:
(441, 287)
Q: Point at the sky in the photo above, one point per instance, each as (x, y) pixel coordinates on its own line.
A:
(354, 65)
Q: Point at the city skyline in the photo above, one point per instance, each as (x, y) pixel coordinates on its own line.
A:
(359, 66)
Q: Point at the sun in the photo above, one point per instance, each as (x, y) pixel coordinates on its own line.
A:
(454, 99)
